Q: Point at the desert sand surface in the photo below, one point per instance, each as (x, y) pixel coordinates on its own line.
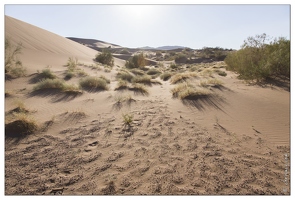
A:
(237, 141)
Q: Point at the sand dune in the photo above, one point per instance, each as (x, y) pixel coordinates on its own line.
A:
(236, 141)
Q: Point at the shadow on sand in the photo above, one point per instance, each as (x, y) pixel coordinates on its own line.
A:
(56, 94)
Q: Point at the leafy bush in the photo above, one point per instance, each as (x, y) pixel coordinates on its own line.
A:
(105, 57)
(136, 61)
(258, 60)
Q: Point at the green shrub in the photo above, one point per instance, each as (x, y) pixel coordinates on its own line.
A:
(136, 61)
(105, 57)
(93, 83)
(258, 60)
(124, 51)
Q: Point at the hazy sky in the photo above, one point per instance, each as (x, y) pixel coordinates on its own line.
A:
(193, 26)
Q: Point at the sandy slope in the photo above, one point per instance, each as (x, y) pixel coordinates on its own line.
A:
(237, 142)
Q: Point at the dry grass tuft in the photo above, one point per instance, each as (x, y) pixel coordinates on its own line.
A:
(211, 83)
(94, 83)
(177, 78)
(21, 126)
(188, 91)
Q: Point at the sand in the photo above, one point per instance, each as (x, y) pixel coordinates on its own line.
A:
(237, 142)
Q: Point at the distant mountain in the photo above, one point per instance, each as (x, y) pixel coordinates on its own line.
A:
(162, 48)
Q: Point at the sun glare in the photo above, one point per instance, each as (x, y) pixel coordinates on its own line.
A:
(137, 11)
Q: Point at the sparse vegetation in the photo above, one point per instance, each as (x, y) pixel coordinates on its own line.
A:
(257, 60)
(94, 83)
(221, 73)
(105, 57)
(13, 66)
(181, 58)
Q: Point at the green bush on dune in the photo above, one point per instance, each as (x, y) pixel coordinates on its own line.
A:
(257, 60)
(105, 57)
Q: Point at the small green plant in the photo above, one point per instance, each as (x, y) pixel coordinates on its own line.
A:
(105, 57)
(127, 119)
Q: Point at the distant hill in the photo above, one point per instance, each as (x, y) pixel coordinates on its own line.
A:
(162, 48)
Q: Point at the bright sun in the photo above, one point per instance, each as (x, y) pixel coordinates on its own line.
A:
(137, 11)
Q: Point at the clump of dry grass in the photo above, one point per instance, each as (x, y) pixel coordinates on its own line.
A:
(21, 126)
(56, 84)
(123, 75)
(94, 83)
(122, 85)
(180, 77)
(166, 76)
(139, 88)
(145, 79)
(153, 71)
(188, 91)
(47, 74)
(211, 82)
(137, 71)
